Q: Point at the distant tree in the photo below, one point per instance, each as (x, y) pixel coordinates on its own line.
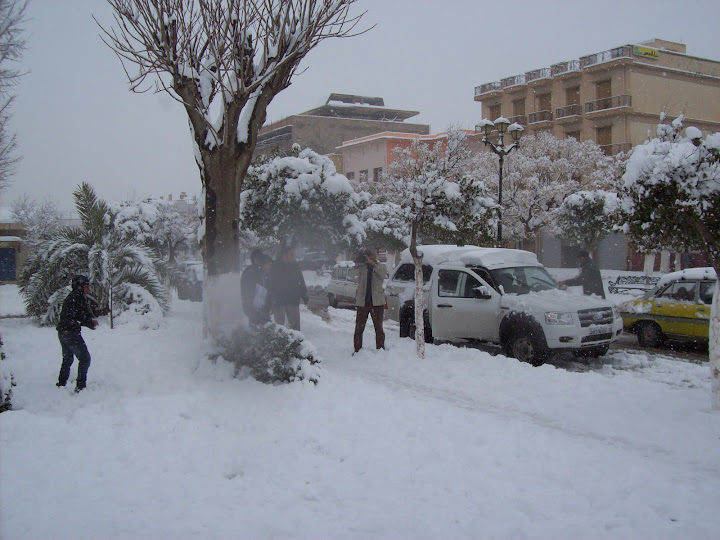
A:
(12, 45)
(224, 61)
(671, 200)
(122, 272)
(299, 197)
(539, 175)
(433, 189)
(39, 219)
(586, 217)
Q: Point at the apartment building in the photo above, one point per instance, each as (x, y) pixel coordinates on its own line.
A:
(341, 118)
(612, 97)
(365, 159)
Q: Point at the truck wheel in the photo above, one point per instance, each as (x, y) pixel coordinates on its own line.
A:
(428, 329)
(526, 347)
(332, 300)
(649, 335)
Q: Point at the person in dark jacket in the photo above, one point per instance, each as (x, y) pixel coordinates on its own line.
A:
(253, 288)
(369, 275)
(589, 276)
(286, 289)
(75, 313)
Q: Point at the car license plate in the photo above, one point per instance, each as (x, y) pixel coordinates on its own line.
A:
(605, 329)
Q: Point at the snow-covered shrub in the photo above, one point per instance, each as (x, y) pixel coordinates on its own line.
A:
(6, 383)
(272, 354)
(586, 217)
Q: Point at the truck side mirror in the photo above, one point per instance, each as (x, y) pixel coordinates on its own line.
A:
(482, 292)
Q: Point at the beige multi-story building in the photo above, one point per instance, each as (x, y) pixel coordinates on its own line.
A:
(612, 97)
(342, 117)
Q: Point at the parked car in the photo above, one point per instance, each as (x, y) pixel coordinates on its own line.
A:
(315, 260)
(342, 287)
(189, 280)
(678, 308)
(501, 296)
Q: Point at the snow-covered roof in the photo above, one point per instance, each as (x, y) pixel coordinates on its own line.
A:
(473, 255)
(707, 272)
(10, 239)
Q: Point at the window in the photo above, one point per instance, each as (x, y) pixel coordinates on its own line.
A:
(603, 89)
(573, 135)
(680, 291)
(377, 174)
(603, 135)
(363, 176)
(406, 272)
(572, 96)
(456, 284)
(706, 291)
(544, 102)
(350, 176)
(494, 112)
(519, 107)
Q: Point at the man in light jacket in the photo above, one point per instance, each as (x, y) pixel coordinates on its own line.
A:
(370, 297)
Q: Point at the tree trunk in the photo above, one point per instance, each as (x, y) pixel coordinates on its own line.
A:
(222, 198)
(419, 296)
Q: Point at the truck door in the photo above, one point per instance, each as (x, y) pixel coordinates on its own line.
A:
(457, 313)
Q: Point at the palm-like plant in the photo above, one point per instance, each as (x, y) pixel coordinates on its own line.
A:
(121, 271)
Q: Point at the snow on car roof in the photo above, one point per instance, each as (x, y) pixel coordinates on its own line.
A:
(707, 272)
(468, 255)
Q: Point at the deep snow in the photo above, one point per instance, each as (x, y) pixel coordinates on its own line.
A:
(165, 444)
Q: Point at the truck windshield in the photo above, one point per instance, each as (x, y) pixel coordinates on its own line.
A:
(523, 279)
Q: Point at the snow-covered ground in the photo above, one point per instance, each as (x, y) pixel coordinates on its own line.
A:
(165, 444)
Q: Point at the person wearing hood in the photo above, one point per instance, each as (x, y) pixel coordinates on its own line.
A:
(589, 276)
(75, 313)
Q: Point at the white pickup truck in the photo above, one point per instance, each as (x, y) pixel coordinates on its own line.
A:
(501, 296)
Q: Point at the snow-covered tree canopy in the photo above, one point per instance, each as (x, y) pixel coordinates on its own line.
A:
(540, 174)
(301, 198)
(39, 219)
(671, 192)
(586, 217)
(437, 193)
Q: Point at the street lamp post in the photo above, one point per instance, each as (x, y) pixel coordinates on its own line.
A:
(515, 130)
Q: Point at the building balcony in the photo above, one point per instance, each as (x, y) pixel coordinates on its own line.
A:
(515, 80)
(604, 104)
(568, 110)
(615, 149)
(539, 75)
(519, 119)
(605, 56)
(566, 68)
(487, 88)
(540, 116)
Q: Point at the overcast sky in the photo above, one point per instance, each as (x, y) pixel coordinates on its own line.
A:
(77, 121)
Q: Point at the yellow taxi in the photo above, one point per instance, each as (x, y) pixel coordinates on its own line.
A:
(678, 308)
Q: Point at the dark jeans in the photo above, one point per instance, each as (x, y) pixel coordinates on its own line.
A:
(72, 345)
(376, 313)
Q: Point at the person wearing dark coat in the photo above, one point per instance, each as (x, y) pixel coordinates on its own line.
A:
(253, 288)
(75, 313)
(589, 276)
(286, 289)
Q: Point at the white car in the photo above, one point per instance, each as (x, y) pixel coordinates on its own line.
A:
(342, 288)
(506, 297)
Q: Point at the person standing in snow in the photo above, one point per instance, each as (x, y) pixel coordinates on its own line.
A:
(253, 288)
(369, 297)
(75, 313)
(589, 276)
(286, 289)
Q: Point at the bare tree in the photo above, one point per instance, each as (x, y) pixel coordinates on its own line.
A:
(12, 45)
(224, 61)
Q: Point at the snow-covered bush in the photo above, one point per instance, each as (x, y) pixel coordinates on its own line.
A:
(272, 354)
(586, 217)
(6, 383)
(97, 250)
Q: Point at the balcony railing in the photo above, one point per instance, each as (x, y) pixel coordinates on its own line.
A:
(612, 54)
(565, 67)
(536, 74)
(488, 87)
(608, 103)
(519, 119)
(568, 110)
(615, 149)
(540, 116)
(513, 81)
